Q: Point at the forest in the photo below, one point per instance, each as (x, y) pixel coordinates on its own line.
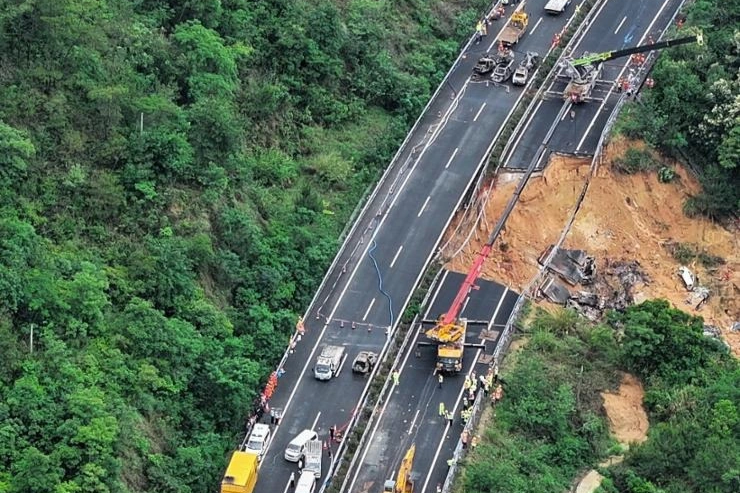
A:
(693, 111)
(550, 425)
(174, 180)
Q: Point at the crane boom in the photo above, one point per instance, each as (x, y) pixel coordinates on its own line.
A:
(610, 55)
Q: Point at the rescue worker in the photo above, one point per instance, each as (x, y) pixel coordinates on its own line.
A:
(332, 431)
(396, 377)
(441, 408)
(292, 480)
(478, 32)
(449, 416)
(440, 379)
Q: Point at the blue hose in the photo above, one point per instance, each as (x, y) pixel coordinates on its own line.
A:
(380, 281)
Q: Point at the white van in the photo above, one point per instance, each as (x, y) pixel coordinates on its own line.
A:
(306, 483)
(259, 439)
(556, 7)
(295, 449)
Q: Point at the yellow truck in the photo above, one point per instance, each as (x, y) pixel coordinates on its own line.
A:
(241, 475)
(515, 28)
(450, 339)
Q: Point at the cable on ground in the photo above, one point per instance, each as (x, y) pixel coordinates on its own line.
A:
(380, 281)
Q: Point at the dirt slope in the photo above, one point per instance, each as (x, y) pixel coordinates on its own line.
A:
(623, 217)
(628, 421)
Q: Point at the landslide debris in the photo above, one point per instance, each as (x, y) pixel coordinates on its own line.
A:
(633, 226)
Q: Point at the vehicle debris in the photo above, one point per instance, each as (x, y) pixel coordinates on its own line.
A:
(698, 296)
(364, 362)
(574, 266)
(614, 288)
(688, 277)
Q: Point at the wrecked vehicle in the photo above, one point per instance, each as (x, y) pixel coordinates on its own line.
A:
(364, 362)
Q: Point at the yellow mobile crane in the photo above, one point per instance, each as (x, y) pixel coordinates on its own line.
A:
(403, 482)
(449, 331)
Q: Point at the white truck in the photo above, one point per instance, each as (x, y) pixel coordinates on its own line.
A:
(313, 454)
(556, 7)
(328, 362)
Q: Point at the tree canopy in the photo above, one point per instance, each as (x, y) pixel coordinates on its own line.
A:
(174, 178)
(693, 111)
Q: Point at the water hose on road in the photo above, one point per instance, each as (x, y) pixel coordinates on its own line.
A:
(380, 282)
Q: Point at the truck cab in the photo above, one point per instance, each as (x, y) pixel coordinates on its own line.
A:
(328, 362)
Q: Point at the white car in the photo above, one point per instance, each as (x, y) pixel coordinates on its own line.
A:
(259, 440)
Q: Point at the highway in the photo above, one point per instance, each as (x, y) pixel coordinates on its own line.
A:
(393, 240)
(411, 415)
(618, 25)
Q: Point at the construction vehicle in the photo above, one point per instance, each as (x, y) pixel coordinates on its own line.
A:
(449, 330)
(364, 362)
(521, 74)
(241, 475)
(312, 457)
(403, 482)
(328, 362)
(584, 72)
(504, 68)
(515, 28)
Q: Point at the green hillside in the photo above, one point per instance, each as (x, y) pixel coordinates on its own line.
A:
(174, 179)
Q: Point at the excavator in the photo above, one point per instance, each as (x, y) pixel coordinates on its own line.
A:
(403, 482)
(584, 72)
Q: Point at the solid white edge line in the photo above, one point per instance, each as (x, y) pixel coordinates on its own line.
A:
(315, 421)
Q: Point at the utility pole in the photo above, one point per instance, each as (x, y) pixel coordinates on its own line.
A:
(32, 325)
(141, 124)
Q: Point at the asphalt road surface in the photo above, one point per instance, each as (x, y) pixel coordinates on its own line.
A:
(411, 415)
(619, 24)
(392, 241)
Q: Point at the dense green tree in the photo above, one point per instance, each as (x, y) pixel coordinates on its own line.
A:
(693, 112)
(174, 177)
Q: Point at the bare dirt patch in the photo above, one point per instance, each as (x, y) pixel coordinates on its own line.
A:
(622, 218)
(628, 421)
(590, 482)
(535, 222)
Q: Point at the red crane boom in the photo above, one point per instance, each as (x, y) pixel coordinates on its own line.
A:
(468, 284)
